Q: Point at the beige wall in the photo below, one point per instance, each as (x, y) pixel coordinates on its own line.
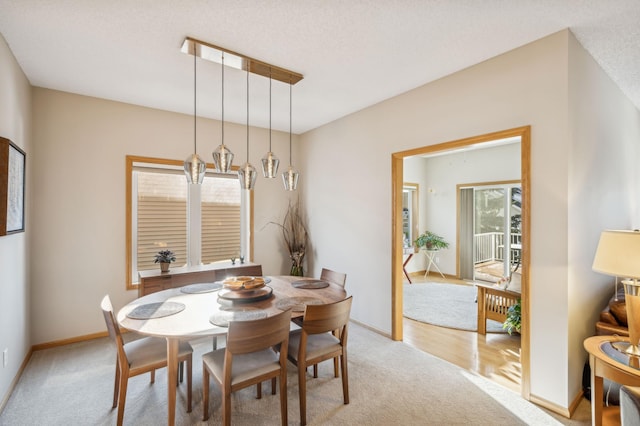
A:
(602, 189)
(79, 188)
(15, 320)
(351, 221)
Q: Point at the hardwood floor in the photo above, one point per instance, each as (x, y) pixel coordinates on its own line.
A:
(495, 356)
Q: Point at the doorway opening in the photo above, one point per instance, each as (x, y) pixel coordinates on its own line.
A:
(521, 258)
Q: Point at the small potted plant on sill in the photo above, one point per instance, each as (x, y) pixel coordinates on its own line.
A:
(165, 258)
(431, 241)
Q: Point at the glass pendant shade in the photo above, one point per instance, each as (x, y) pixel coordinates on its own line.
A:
(194, 168)
(222, 158)
(247, 175)
(290, 179)
(270, 165)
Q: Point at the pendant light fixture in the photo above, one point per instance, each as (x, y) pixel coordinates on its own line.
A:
(247, 173)
(270, 162)
(222, 156)
(290, 177)
(194, 167)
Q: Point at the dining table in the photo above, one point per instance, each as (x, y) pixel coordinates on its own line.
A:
(205, 309)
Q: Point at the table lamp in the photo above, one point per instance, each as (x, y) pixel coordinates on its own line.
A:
(618, 254)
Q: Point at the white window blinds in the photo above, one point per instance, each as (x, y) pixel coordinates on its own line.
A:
(160, 219)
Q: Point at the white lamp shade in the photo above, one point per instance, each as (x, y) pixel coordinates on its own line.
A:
(194, 168)
(618, 254)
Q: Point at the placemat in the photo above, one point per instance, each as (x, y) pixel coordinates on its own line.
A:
(222, 318)
(310, 284)
(156, 310)
(297, 304)
(201, 288)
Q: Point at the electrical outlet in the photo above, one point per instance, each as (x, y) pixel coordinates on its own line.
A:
(5, 357)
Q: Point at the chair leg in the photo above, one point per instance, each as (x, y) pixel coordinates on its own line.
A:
(336, 368)
(273, 386)
(315, 371)
(283, 396)
(302, 391)
(180, 372)
(124, 381)
(345, 376)
(189, 379)
(205, 394)
(259, 391)
(116, 385)
(226, 405)
(153, 376)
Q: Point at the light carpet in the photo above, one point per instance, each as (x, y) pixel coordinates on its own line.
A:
(445, 305)
(389, 383)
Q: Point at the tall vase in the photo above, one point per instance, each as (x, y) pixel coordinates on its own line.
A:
(296, 266)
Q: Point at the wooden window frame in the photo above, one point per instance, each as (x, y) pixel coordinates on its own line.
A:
(131, 162)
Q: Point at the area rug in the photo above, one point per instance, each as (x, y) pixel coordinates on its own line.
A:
(445, 305)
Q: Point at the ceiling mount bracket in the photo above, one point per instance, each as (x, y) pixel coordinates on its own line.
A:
(233, 59)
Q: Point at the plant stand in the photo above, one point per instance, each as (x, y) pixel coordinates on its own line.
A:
(431, 255)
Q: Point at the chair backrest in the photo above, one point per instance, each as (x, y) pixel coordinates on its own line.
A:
(329, 317)
(112, 326)
(334, 277)
(255, 335)
(253, 270)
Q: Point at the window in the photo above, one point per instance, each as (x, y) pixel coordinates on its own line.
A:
(199, 223)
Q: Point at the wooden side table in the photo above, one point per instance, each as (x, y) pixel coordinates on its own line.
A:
(404, 266)
(608, 362)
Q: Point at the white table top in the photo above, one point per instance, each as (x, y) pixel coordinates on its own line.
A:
(193, 321)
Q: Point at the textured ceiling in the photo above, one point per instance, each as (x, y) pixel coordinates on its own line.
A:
(352, 53)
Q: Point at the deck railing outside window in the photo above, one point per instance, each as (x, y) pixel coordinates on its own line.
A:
(489, 246)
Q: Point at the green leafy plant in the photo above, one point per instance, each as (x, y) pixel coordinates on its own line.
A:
(431, 241)
(514, 317)
(165, 256)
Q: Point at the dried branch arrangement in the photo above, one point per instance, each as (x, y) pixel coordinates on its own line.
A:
(294, 233)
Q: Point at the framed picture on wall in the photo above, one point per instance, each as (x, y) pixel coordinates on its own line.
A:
(12, 172)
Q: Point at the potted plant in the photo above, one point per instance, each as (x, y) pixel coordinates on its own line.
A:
(431, 241)
(165, 258)
(513, 321)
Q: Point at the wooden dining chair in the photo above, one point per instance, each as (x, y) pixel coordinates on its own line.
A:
(140, 356)
(333, 277)
(340, 279)
(249, 359)
(316, 343)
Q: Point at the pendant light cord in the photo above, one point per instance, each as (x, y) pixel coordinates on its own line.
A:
(248, 64)
(270, 109)
(290, 120)
(222, 125)
(195, 85)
